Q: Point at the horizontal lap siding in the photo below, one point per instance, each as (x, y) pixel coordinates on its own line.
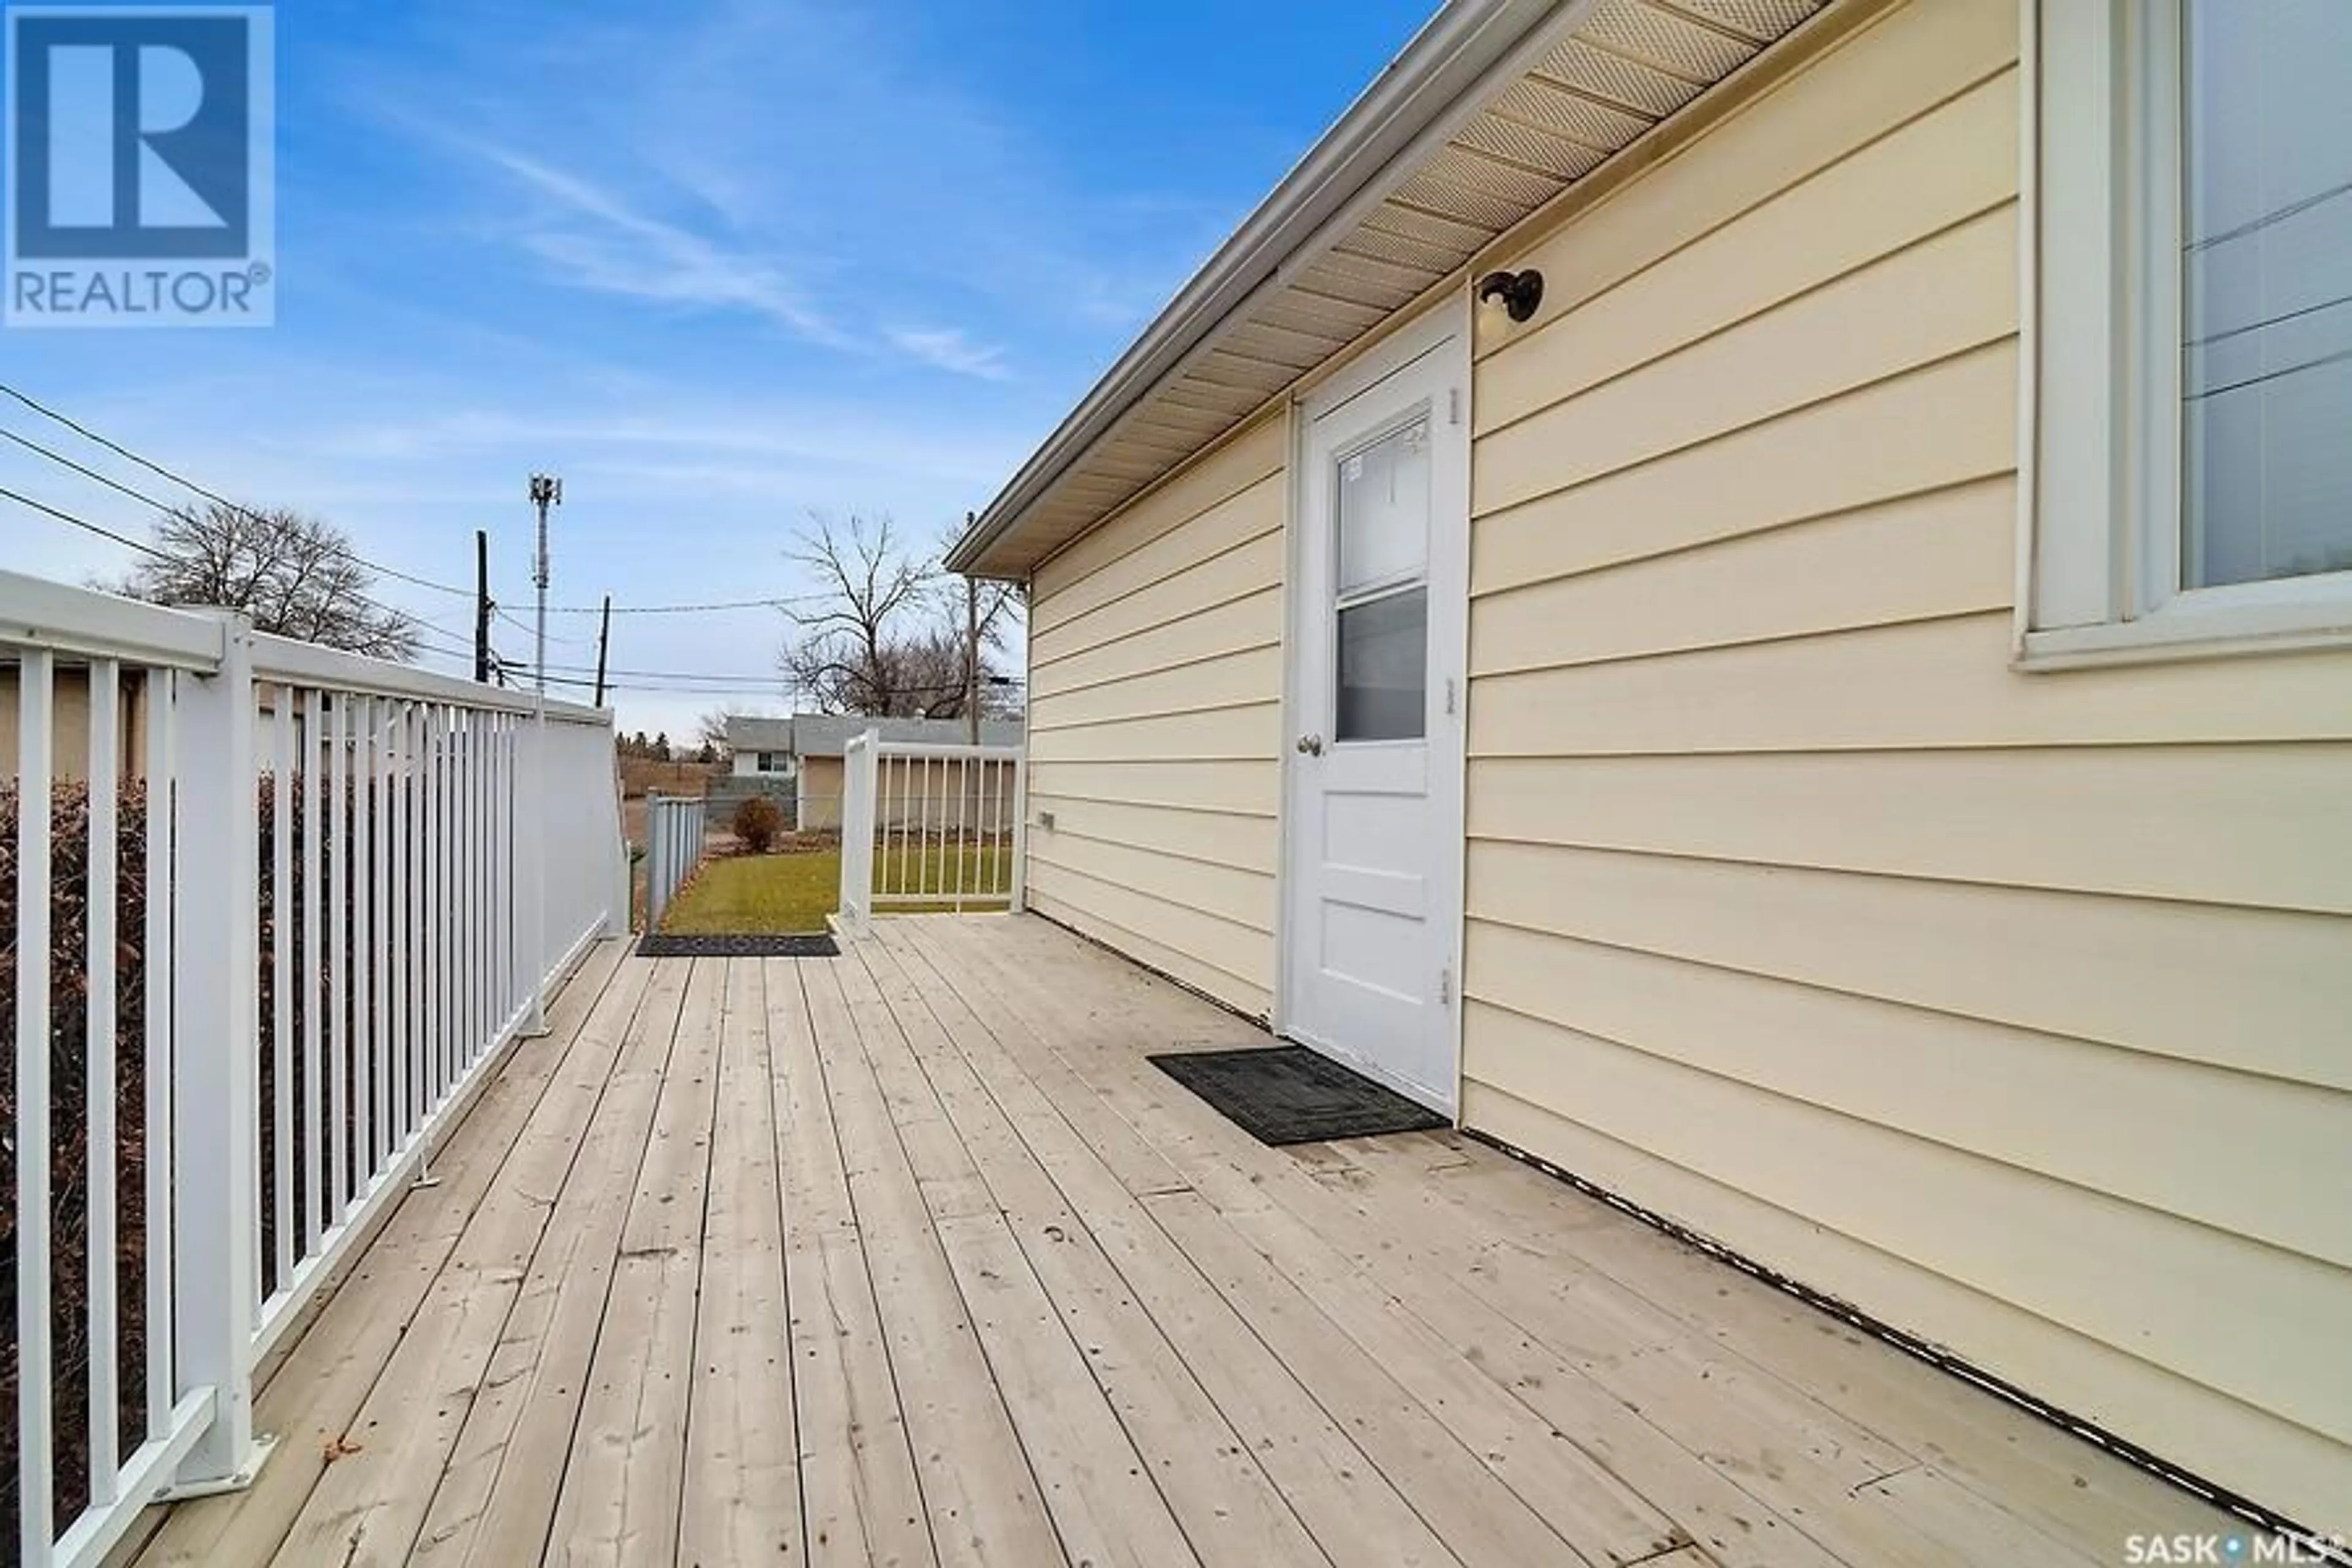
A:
(1155, 719)
(2011, 1008)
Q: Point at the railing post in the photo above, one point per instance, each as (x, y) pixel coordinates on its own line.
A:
(616, 922)
(656, 860)
(216, 1080)
(530, 815)
(1019, 900)
(858, 778)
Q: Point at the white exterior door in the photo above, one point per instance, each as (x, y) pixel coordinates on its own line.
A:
(1374, 840)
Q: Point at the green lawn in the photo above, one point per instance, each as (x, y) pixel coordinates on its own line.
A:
(788, 894)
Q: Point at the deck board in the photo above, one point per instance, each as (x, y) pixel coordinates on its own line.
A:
(742, 1501)
(909, 1258)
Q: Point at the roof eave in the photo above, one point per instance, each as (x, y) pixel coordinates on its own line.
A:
(1456, 50)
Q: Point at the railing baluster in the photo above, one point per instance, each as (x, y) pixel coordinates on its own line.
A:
(998, 860)
(453, 890)
(99, 1043)
(399, 981)
(477, 862)
(468, 886)
(158, 958)
(1016, 886)
(313, 1142)
(501, 887)
(340, 1015)
(445, 851)
(453, 896)
(431, 927)
(281, 986)
(375, 918)
(36, 1358)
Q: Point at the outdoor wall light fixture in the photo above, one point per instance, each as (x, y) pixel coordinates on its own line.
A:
(1518, 293)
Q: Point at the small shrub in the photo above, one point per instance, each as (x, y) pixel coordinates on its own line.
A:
(757, 822)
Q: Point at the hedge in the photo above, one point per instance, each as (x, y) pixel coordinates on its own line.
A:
(69, 1073)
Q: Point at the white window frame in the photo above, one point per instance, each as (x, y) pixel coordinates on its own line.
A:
(2100, 563)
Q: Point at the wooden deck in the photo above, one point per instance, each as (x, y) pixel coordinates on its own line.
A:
(910, 1258)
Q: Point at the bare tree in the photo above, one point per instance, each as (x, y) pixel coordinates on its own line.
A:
(884, 635)
(710, 729)
(296, 575)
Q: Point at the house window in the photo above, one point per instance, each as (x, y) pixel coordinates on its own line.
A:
(1382, 648)
(2193, 435)
(771, 762)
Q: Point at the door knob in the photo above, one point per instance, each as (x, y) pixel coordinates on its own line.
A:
(1310, 745)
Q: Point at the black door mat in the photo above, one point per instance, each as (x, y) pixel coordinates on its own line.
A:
(1290, 1094)
(660, 944)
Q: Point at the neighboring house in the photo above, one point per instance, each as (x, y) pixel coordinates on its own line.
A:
(804, 753)
(69, 727)
(69, 730)
(1771, 732)
(760, 748)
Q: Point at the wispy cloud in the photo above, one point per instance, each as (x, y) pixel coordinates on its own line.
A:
(754, 157)
(950, 348)
(592, 238)
(596, 240)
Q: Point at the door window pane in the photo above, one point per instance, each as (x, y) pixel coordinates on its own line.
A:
(1384, 668)
(1384, 510)
(2266, 280)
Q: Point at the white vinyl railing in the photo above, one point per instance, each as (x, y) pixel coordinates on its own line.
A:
(318, 895)
(932, 827)
(674, 838)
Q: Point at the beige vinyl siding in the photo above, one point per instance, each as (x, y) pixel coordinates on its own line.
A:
(822, 783)
(69, 731)
(2011, 1007)
(1155, 722)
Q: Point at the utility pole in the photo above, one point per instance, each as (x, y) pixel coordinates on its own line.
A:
(603, 639)
(546, 490)
(970, 648)
(482, 606)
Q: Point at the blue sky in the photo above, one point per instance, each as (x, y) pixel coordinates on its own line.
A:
(717, 262)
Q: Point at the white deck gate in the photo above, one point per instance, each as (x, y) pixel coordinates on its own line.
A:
(322, 893)
(675, 826)
(930, 828)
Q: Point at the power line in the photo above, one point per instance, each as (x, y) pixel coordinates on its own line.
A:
(462, 634)
(87, 434)
(776, 604)
(776, 680)
(174, 477)
(110, 483)
(166, 509)
(587, 683)
(87, 526)
(995, 682)
(518, 624)
(82, 524)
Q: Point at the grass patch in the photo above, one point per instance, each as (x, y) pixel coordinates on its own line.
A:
(790, 895)
(758, 895)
